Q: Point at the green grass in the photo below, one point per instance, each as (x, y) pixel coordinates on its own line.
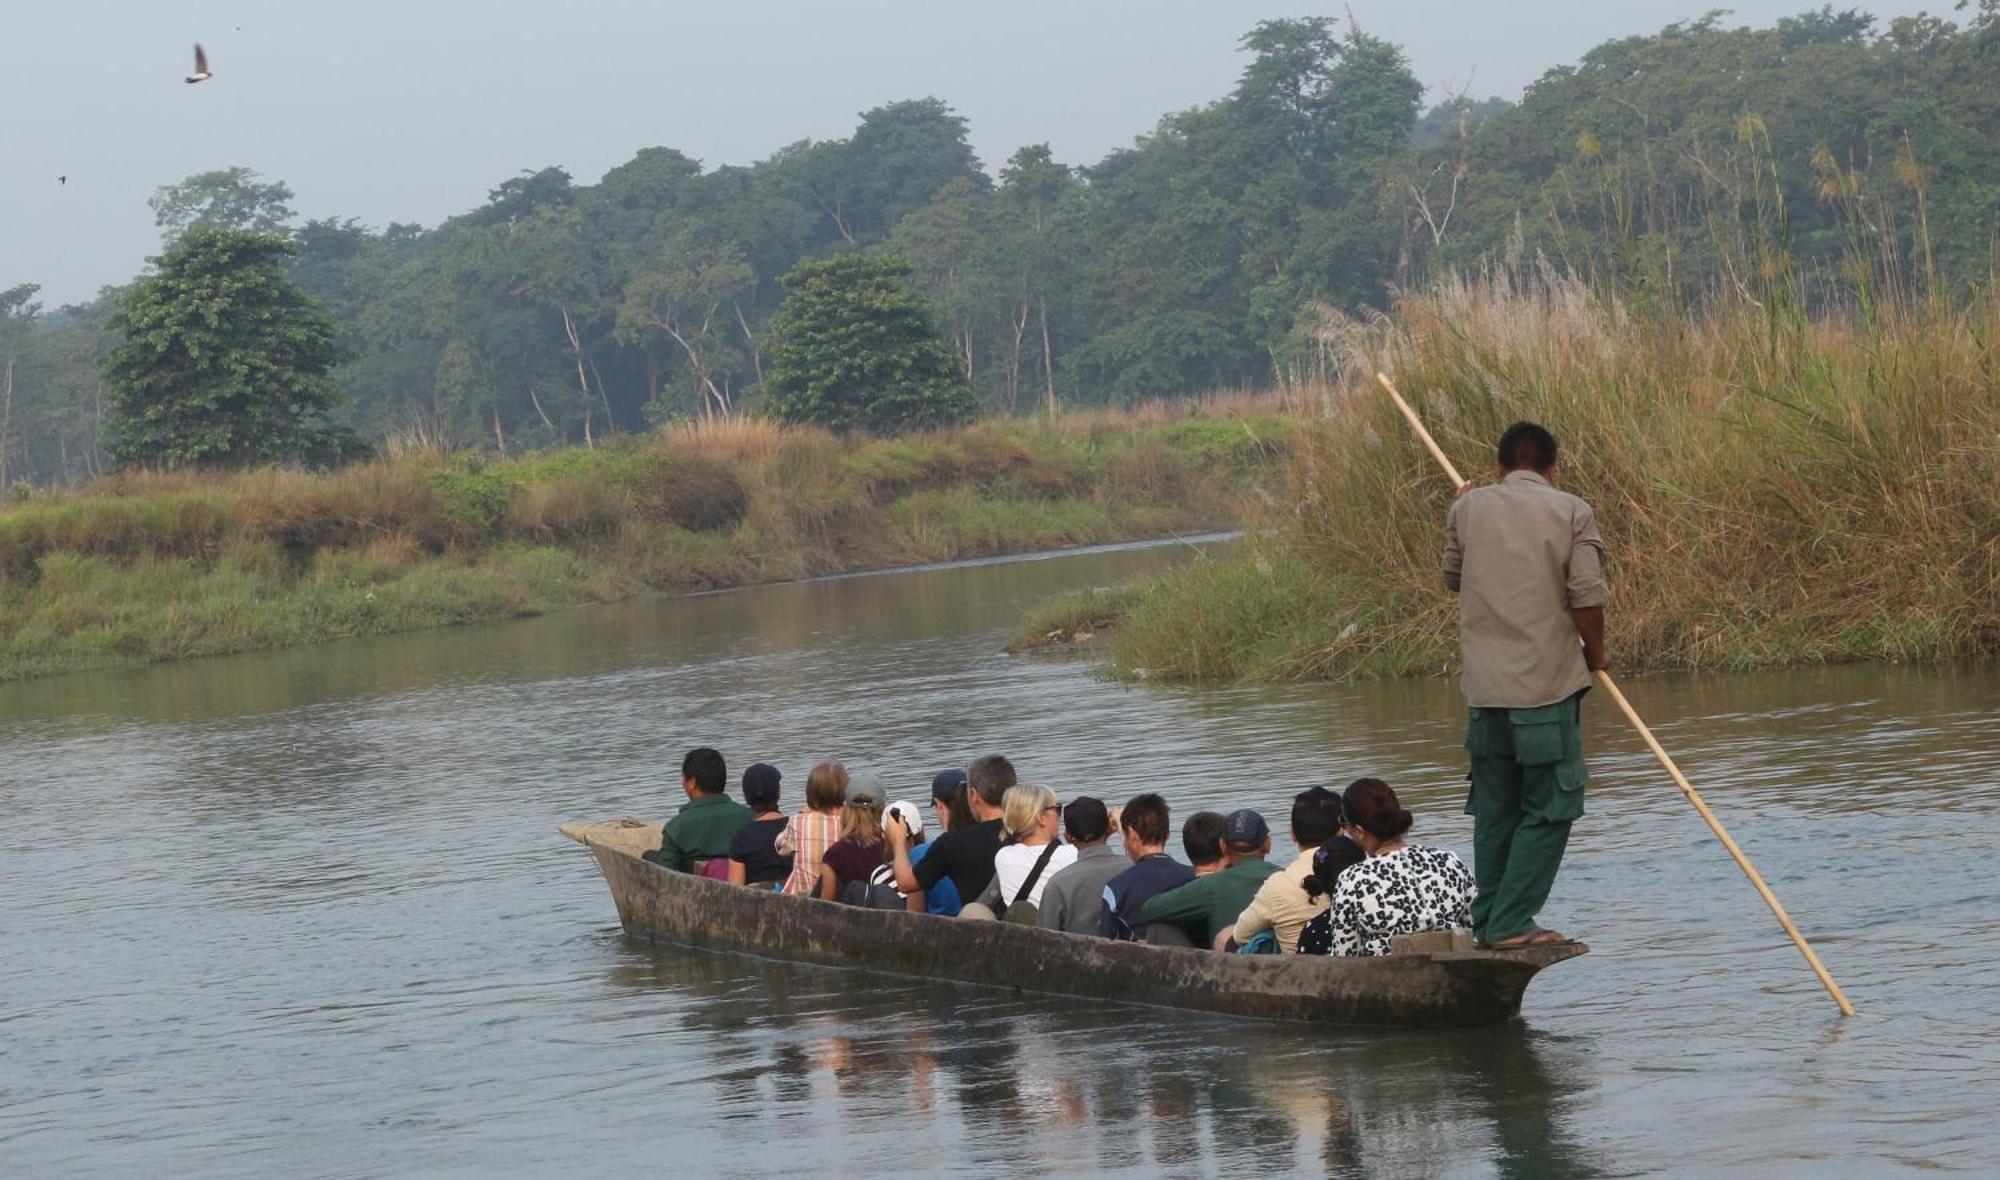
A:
(1076, 617)
(150, 567)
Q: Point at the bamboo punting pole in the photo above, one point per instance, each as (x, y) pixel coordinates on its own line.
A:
(1659, 752)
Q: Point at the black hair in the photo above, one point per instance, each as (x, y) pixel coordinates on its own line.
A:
(1315, 816)
(1086, 827)
(705, 767)
(760, 790)
(1372, 806)
(991, 776)
(1527, 446)
(1202, 836)
(1148, 818)
(1334, 857)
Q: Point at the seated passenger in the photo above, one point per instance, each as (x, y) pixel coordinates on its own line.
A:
(1201, 839)
(963, 854)
(1205, 906)
(812, 831)
(861, 850)
(1282, 905)
(950, 810)
(1073, 899)
(1400, 889)
(753, 855)
(882, 891)
(1145, 823)
(1334, 857)
(1034, 852)
(704, 827)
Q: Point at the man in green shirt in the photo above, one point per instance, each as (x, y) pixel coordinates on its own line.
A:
(710, 819)
(1205, 905)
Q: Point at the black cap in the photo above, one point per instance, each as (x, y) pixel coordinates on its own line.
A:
(1245, 827)
(945, 784)
(760, 785)
(1086, 819)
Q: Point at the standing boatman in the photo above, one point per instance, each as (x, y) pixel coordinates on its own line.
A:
(1527, 564)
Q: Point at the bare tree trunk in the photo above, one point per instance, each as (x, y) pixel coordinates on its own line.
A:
(1020, 322)
(750, 341)
(6, 420)
(97, 432)
(499, 435)
(610, 420)
(701, 370)
(538, 409)
(582, 380)
(1048, 359)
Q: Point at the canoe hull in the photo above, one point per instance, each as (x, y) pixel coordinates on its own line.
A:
(1453, 988)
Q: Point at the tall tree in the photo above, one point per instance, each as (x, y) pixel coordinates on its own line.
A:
(232, 198)
(855, 348)
(1033, 188)
(693, 299)
(18, 310)
(224, 361)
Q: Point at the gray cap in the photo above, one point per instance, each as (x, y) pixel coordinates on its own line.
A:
(866, 788)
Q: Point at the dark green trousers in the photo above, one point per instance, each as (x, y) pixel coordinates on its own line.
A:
(1527, 788)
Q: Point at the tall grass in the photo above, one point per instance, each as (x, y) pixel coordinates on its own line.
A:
(155, 566)
(1773, 489)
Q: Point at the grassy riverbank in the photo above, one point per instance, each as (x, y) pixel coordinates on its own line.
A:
(152, 567)
(1773, 490)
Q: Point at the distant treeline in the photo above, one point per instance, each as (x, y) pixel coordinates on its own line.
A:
(1791, 162)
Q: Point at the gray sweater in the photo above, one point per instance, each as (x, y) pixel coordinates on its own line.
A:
(1073, 900)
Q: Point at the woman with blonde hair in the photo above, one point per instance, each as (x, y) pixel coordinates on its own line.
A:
(1030, 817)
(861, 848)
(815, 829)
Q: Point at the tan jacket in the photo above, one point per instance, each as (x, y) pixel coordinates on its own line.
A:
(1281, 905)
(1522, 555)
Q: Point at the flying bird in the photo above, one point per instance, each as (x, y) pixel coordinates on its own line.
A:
(63, 180)
(201, 71)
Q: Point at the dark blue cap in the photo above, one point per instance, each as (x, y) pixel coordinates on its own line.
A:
(1245, 826)
(945, 784)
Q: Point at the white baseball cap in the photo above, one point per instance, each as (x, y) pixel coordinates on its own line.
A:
(911, 816)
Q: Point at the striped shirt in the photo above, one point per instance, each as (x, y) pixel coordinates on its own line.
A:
(806, 840)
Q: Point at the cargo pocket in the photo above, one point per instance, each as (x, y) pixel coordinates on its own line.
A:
(1476, 743)
(1571, 777)
(1540, 737)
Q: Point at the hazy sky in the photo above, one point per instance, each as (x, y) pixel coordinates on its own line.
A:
(410, 110)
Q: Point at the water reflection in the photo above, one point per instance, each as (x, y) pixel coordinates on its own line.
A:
(1108, 1088)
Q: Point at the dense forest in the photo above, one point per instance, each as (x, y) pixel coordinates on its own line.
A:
(1803, 161)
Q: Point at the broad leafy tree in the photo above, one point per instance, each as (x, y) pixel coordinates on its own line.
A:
(856, 348)
(232, 198)
(224, 362)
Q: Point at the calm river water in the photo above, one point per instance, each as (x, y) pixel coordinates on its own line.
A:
(307, 914)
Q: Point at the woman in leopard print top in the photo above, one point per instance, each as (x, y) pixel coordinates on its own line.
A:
(1400, 889)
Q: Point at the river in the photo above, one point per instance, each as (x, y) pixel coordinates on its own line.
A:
(306, 913)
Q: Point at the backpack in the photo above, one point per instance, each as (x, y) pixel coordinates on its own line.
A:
(1024, 912)
(871, 895)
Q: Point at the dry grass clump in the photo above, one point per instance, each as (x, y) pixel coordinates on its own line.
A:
(152, 566)
(1772, 490)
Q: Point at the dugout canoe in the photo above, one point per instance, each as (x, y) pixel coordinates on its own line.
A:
(1438, 979)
